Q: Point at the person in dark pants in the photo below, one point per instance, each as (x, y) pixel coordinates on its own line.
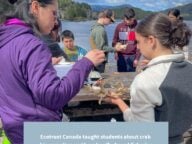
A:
(125, 36)
(57, 52)
(99, 39)
(125, 63)
(52, 40)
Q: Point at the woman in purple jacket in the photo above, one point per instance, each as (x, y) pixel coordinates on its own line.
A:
(29, 87)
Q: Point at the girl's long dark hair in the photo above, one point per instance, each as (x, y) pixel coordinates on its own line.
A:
(170, 35)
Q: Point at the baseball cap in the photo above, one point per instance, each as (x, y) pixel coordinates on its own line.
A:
(110, 14)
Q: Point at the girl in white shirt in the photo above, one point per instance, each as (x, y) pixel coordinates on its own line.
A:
(163, 90)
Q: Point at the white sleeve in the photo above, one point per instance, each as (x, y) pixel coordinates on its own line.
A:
(145, 95)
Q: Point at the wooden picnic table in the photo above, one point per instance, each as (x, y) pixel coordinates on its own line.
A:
(85, 107)
(86, 94)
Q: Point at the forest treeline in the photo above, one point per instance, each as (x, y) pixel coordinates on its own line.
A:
(74, 11)
(71, 10)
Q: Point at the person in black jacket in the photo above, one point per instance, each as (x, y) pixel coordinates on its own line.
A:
(52, 40)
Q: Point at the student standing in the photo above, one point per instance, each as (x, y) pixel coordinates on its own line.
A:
(98, 38)
(125, 35)
(162, 92)
(174, 15)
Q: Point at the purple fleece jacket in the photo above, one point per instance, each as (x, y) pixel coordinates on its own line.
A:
(29, 87)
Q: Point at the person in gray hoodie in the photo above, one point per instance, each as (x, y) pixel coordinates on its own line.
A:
(30, 89)
(98, 37)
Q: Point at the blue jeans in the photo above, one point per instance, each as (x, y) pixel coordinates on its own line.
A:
(125, 63)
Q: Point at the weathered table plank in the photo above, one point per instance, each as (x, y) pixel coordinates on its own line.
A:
(86, 94)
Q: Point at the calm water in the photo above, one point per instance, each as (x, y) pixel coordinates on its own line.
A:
(81, 31)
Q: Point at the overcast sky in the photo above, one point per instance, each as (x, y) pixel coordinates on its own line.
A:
(153, 5)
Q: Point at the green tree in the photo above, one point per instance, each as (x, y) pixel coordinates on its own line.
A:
(74, 11)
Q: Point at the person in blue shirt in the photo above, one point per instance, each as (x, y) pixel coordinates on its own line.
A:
(74, 52)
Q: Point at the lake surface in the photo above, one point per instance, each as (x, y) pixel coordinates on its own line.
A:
(81, 32)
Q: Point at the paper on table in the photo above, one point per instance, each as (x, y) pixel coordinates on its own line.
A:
(63, 69)
(64, 63)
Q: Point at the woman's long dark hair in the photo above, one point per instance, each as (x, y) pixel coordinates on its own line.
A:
(21, 10)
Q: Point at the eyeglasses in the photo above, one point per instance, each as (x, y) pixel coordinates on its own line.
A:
(54, 12)
(42, 4)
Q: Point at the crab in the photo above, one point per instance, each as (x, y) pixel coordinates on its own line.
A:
(102, 88)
